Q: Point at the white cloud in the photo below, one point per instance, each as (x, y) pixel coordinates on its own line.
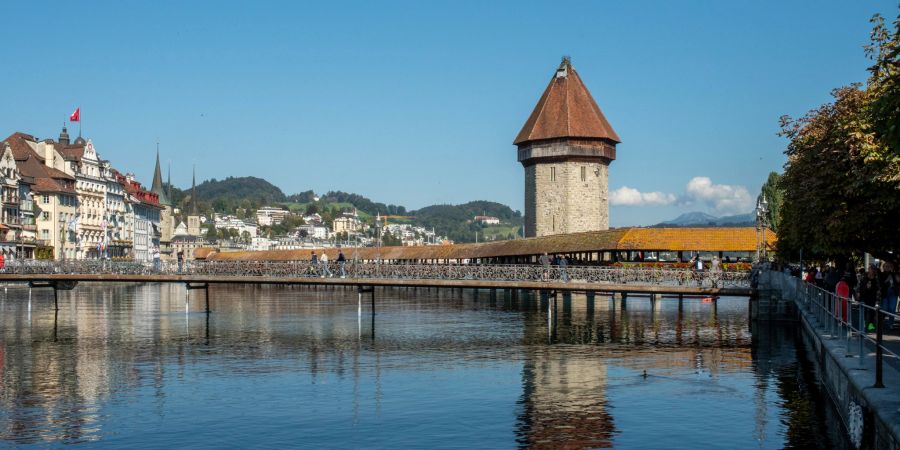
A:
(723, 198)
(627, 196)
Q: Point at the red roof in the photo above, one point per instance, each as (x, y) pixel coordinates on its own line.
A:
(566, 110)
(18, 142)
(135, 189)
(30, 164)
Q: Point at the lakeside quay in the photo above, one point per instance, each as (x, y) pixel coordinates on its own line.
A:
(847, 363)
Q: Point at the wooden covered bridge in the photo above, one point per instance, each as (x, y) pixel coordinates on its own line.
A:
(647, 245)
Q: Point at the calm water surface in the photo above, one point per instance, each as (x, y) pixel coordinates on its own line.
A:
(144, 366)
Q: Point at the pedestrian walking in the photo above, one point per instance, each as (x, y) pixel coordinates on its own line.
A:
(155, 255)
(869, 291)
(342, 262)
(545, 262)
(563, 265)
(842, 296)
(890, 283)
(313, 263)
(323, 261)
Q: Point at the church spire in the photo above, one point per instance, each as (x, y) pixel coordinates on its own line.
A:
(157, 187)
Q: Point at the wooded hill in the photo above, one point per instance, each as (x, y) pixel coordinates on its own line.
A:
(242, 196)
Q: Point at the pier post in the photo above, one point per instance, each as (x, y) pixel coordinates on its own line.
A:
(55, 298)
(206, 294)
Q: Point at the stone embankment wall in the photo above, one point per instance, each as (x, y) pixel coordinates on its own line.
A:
(773, 298)
(871, 416)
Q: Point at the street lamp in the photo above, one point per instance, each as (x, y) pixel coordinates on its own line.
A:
(762, 224)
(378, 242)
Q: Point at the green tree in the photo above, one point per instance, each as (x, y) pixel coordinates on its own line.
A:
(211, 233)
(885, 83)
(841, 196)
(388, 240)
(774, 196)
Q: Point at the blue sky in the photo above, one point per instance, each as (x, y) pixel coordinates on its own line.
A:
(417, 103)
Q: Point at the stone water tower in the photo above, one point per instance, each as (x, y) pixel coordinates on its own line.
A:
(566, 147)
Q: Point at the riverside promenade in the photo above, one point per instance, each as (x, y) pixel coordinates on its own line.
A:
(859, 370)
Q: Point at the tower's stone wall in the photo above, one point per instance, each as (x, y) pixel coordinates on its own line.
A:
(566, 188)
(566, 204)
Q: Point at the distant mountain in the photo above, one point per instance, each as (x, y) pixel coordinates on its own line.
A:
(700, 219)
(737, 220)
(690, 219)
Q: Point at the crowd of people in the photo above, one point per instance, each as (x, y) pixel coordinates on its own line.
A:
(877, 285)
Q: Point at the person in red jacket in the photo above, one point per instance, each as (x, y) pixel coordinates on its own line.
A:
(842, 295)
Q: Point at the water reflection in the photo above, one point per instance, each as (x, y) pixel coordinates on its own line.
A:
(492, 369)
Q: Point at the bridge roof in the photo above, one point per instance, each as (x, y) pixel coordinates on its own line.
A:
(732, 239)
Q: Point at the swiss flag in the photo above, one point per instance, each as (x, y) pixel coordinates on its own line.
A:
(76, 116)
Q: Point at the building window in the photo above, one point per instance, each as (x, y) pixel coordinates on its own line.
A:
(583, 173)
(552, 173)
(45, 234)
(45, 215)
(46, 198)
(554, 223)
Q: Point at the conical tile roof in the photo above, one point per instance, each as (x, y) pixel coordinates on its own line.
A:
(566, 110)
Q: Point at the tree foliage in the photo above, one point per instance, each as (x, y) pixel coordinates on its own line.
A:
(842, 179)
(841, 196)
(774, 196)
(884, 83)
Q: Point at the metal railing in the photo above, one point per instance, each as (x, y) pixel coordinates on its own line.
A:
(487, 272)
(846, 319)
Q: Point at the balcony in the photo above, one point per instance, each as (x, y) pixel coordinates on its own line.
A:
(26, 205)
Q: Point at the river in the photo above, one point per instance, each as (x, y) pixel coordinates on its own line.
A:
(273, 366)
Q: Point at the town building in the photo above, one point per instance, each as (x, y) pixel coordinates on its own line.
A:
(243, 228)
(487, 220)
(27, 239)
(184, 243)
(312, 219)
(261, 243)
(119, 240)
(83, 163)
(313, 231)
(348, 223)
(268, 216)
(566, 146)
(54, 205)
(10, 218)
(146, 208)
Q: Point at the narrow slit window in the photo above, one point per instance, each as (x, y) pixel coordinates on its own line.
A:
(553, 174)
(583, 173)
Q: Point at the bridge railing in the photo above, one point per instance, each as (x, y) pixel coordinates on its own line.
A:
(304, 269)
